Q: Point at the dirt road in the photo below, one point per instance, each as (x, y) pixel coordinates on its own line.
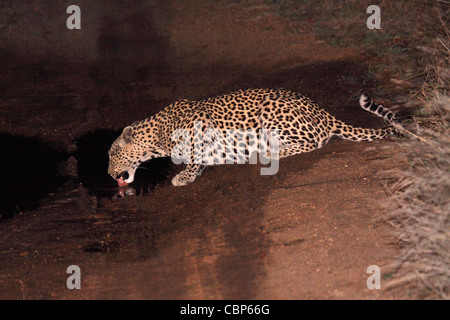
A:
(309, 232)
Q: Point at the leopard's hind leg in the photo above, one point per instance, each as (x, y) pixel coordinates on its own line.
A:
(294, 132)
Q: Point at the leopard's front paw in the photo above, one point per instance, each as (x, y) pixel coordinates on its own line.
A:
(181, 180)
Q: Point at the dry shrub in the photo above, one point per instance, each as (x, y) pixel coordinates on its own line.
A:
(420, 202)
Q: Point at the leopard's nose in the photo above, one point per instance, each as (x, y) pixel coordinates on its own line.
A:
(124, 175)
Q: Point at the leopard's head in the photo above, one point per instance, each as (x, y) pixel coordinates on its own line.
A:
(125, 155)
(137, 144)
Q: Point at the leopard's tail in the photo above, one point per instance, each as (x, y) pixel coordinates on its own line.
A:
(349, 132)
(369, 105)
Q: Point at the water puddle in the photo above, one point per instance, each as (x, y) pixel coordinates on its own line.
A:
(31, 171)
(92, 158)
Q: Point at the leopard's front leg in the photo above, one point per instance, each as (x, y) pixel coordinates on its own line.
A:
(188, 175)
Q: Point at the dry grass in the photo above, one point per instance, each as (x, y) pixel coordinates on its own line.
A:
(420, 209)
(420, 193)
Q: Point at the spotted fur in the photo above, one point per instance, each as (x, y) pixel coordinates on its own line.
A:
(302, 125)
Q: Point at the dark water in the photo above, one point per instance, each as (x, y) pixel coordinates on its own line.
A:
(92, 157)
(28, 171)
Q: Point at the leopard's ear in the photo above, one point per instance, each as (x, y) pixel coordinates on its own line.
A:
(127, 136)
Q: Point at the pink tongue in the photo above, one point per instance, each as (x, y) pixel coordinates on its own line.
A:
(121, 183)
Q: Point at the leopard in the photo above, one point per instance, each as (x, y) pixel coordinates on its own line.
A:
(300, 123)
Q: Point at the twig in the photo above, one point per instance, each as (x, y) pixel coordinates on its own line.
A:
(428, 286)
(400, 128)
(443, 44)
(397, 282)
(22, 288)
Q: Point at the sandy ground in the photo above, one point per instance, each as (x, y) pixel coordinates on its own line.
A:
(309, 232)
